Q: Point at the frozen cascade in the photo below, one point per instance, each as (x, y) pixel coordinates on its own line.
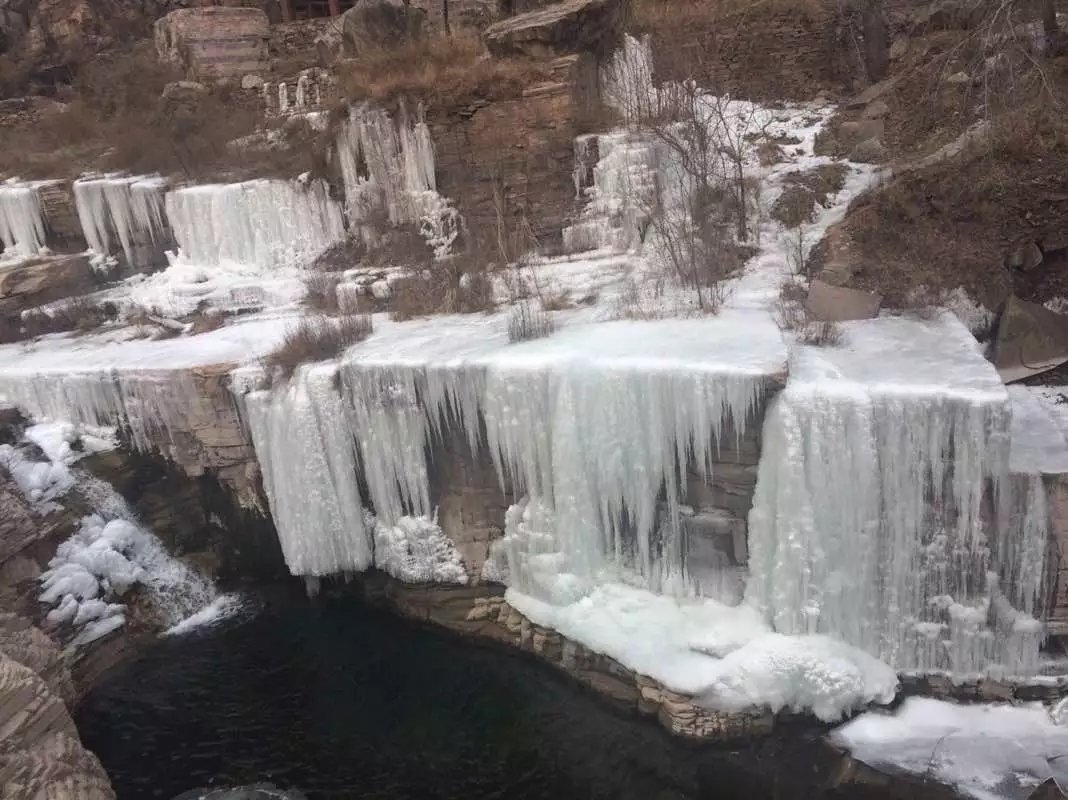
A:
(22, 222)
(306, 450)
(123, 210)
(870, 520)
(602, 442)
(388, 167)
(257, 226)
(149, 404)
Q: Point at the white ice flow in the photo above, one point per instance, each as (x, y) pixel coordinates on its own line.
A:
(22, 221)
(111, 552)
(989, 752)
(121, 210)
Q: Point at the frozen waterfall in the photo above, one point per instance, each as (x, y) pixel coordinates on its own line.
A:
(388, 170)
(256, 227)
(22, 222)
(873, 516)
(589, 422)
(121, 210)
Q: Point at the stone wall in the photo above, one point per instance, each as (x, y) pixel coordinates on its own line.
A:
(517, 155)
(774, 52)
(215, 42)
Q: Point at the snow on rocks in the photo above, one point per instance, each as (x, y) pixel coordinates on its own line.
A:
(415, 550)
(989, 752)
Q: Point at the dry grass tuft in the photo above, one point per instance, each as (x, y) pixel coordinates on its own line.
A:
(321, 291)
(791, 315)
(317, 339)
(442, 71)
(81, 314)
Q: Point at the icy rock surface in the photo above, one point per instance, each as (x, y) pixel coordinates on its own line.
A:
(990, 752)
(868, 520)
(22, 223)
(121, 210)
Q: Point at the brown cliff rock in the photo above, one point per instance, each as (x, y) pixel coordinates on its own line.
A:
(568, 27)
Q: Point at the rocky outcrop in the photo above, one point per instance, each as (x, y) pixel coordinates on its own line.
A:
(32, 283)
(372, 24)
(483, 612)
(571, 27)
(1031, 340)
(40, 753)
(216, 42)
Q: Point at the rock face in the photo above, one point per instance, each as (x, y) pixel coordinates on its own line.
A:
(1031, 340)
(838, 303)
(42, 280)
(62, 29)
(380, 24)
(215, 42)
(40, 753)
(569, 27)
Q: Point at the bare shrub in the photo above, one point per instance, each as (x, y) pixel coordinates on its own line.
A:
(321, 291)
(10, 331)
(341, 256)
(317, 339)
(790, 314)
(527, 322)
(796, 242)
(441, 70)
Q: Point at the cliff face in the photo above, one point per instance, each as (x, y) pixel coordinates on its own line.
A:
(40, 752)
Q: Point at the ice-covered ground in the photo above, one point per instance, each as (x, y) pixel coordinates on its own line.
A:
(989, 752)
(111, 552)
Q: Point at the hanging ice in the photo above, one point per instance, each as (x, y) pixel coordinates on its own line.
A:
(307, 452)
(872, 515)
(253, 227)
(121, 210)
(388, 168)
(22, 222)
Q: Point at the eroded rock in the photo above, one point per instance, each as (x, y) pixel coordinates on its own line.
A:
(372, 24)
(569, 27)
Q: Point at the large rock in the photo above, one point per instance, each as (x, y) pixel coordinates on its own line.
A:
(373, 24)
(43, 280)
(1031, 340)
(215, 42)
(569, 27)
(61, 31)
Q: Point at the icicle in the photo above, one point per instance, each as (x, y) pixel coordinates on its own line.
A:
(22, 223)
(127, 208)
(256, 226)
(390, 166)
(306, 450)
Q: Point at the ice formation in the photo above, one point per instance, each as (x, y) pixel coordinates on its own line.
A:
(254, 227)
(989, 752)
(388, 166)
(870, 520)
(121, 210)
(110, 552)
(415, 550)
(22, 222)
(597, 423)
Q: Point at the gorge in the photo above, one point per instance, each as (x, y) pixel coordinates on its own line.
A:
(603, 429)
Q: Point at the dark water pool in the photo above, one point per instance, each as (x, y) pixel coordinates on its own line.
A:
(338, 700)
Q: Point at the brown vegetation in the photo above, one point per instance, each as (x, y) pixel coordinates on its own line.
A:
(439, 70)
(317, 339)
(115, 116)
(791, 315)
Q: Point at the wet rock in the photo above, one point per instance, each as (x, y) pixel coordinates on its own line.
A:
(1030, 340)
(839, 303)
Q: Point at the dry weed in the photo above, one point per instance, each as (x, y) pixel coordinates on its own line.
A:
(527, 322)
(317, 339)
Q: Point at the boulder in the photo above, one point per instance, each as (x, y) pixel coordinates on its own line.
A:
(869, 151)
(330, 46)
(568, 27)
(839, 303)
(1025, 258)
(1030, 340)
(877, 109)
(62, 30)
(951, 14)
(372, 24)
(43, 280)
(216, 42)
(861, 130)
